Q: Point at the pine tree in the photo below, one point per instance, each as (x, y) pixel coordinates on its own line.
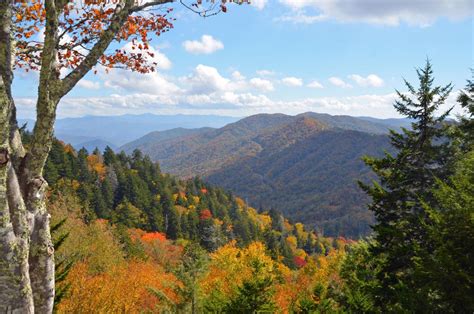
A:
(466, 126)
(194, 263)
(447, 271)
(423, 155)
(129, 215)
(109, 156)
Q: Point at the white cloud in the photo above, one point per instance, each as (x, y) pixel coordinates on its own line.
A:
(206, 79)
(236, 75)
(392, 13)
(315, 84)
(153, 83)
(88, 84)
(226, 103)
(300, 17)
(259, 4)
(222, 103)
(371, 80)
(261, 84)
(292, 81)
(206, 45)
(265, 73)
(336, 81)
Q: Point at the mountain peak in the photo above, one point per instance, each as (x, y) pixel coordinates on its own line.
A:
(311, 123)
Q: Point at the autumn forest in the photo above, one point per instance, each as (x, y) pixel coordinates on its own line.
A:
(306, 213)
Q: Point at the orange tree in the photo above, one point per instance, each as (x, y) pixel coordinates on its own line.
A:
(57, 37)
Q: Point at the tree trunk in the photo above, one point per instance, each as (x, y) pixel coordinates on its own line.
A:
(15, 288)
(26, 249)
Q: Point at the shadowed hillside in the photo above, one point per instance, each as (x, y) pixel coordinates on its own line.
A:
(305, 165)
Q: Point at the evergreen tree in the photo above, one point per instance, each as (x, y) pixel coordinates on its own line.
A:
(107, 194)
(255, 295)
(109, 156)
(83, 174)
(466, 126)
(423, 155)
(447, 271)
(359, 271)
(194, 263)
(99, 204)
(193, 223)
(129, 215)
(172, 221)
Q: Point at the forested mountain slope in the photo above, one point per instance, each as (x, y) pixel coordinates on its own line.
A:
(131, 191)
(306, 165)
(313, 180)
(202, 153)
(143, 240)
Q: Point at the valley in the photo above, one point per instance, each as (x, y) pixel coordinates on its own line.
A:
(306, 166)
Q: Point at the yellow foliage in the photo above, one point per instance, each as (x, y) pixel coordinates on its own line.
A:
(265, 221)
(301, 253)
(292, 242)
(94, 243)
(288, 227)
(230, 266)
(95, 164)
(300, 233)
(322, 270)
(122, 289)
(181, 210)
(240, 202)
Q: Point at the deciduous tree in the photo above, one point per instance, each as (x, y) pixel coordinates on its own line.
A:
(77, 38)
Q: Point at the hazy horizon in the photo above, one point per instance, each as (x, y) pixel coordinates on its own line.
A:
(32, 117)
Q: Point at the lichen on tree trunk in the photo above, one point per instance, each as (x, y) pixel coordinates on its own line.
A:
(15, 288)
(26, 250)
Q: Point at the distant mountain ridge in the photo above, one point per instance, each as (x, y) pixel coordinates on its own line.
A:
(305, 166)
(119, 130)
(201, 152)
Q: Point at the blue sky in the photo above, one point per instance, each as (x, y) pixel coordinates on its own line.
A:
(290, 56)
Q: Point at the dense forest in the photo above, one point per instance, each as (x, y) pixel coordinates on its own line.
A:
(131, 239)
(131, 191)
(314, 180)
(117, 216)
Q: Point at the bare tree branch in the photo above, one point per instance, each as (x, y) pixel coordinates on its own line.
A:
(142, 7)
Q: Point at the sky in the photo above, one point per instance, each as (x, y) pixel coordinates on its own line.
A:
(344, 57)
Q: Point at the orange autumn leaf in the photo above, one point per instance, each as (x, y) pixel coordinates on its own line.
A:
(205, 214)
(153, 236)
(123, 289)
